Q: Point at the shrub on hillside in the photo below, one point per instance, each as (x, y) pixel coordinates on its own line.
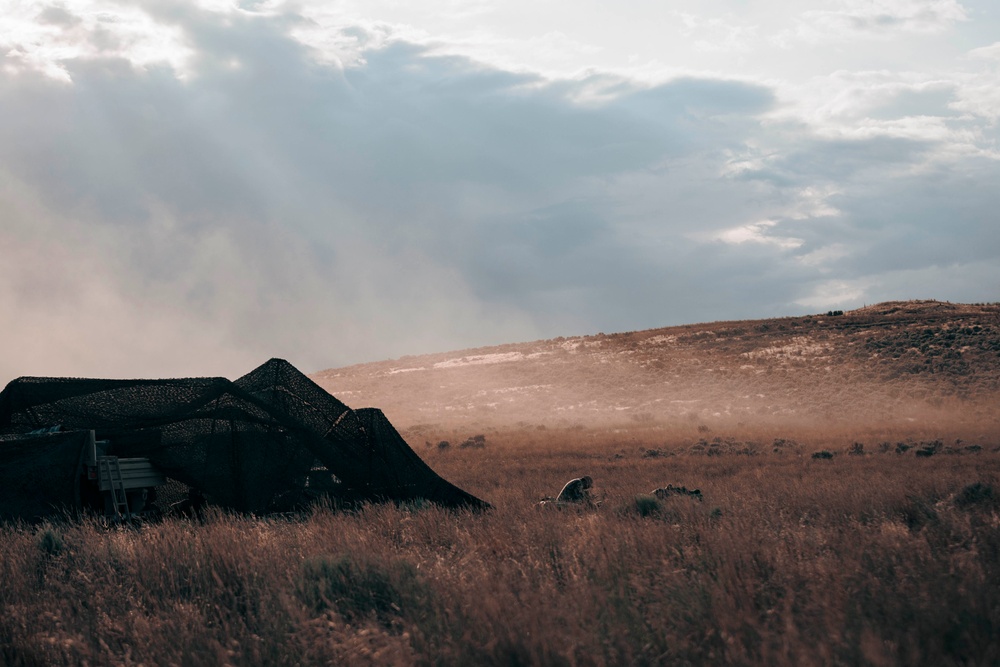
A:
(476, 442)
(929, 448)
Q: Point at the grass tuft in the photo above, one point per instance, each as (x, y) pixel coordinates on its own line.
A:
(359, 589)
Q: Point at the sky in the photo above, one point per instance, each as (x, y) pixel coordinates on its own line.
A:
(188, 188)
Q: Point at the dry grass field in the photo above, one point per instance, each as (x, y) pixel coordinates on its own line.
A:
(872, 557)
(850, 516)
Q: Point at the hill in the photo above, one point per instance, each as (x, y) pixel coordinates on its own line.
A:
(895, 362)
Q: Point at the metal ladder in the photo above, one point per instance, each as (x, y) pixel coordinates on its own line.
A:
(108, 468)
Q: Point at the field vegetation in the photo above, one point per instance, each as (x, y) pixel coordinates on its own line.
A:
(874, 556)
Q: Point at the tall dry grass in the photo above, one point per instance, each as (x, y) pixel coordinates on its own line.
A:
(872, 559)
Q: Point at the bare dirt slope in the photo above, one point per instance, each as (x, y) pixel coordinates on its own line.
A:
(894, 362)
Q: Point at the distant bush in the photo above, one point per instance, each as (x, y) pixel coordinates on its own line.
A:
(834, 313)
(822, 454)
(929, 448)
(476, 441)
(781, 444)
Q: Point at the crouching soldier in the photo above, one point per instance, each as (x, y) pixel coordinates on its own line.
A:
(575, 492)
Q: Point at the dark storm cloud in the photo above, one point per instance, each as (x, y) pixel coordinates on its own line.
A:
(912, 225)
(894, 210)
(266, 203)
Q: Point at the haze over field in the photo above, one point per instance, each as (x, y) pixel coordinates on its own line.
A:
(898, 365)
(192, 187)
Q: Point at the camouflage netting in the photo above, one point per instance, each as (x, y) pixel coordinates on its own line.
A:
(40, 476)
(253, 445)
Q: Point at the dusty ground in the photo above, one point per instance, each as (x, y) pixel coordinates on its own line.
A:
(894, 363)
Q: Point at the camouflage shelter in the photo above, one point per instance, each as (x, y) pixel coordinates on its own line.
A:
(249, 445)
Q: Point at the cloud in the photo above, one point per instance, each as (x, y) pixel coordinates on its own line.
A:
(40, 38)
(757, 232)
(991, 52)
(834, 293)
(874, 19)
(899, 222)
(250, 195)
(723, 34)
(925, 282)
